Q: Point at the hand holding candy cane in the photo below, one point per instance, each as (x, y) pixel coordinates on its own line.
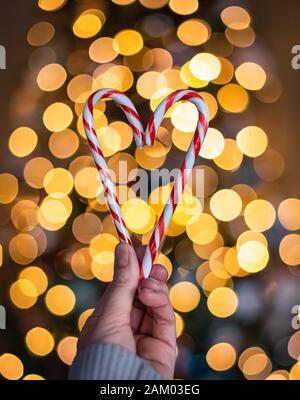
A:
(145, 139)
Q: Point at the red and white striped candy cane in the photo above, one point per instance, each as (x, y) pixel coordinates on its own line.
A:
(145, 139)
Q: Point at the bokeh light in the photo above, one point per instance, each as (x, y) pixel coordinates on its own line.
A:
(260, 215)
(23, 248)
(36, 276)
(128, 42)
(103, 50)
(33, 377)
(11, 367)
(83, 318)
(102, 249)
(214, 144)
(184, 296)
(201, 229)
(226, 204)
(35, 171)
(40, 33)
(39, 341)
(233, 98)
(63, 144)
(231, 157)
(289, 249)
(193, 32)
(253, 256)
(205, 66)
(51, 77)
(87, 25)
(251, 76)
(235, 17)
(184, 8)
(9, 187)
(22, 141)
(57, 236)
(222, 302)
(57, 116)
(289, 214)
(252, 141)
(23, 293)
(60, 300)
(138, 215)
(270, 165)
(67, 349)
(221, 356)
(51, 5)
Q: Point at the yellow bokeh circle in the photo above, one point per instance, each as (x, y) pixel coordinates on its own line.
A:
(184, 296)
(39, 341)
(289, 214)
(9, 188)
(251, 76)
(58, 182)
(87, 25)
(253, 256)
(57, 117)
(23, 293)
(102, 249)
(193, 32)
(138, 215)
(60, 300)
(226, 205)
(222, 302)
(22, 141)
(233, 98)
(205, 66)
(37, 276)
(128, 42)
(259, 215)
(67, 349)
(51, 77)
(11, 366)
(51, 5)
(252, 141)
(201, 229)
(221, 356)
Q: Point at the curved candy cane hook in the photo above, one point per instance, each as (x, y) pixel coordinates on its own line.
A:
(145, 139)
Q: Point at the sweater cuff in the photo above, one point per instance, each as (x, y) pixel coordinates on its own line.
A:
(106, 361)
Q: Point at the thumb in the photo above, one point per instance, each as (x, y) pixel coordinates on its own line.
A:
(126, 271)
(121, 291)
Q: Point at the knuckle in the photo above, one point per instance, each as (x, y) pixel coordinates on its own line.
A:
(119, 282)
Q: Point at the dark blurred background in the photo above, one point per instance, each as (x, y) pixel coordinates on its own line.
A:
(277, 30)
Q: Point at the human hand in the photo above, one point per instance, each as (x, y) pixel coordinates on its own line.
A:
(136, 315)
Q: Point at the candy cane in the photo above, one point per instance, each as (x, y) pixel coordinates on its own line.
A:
(145, 139)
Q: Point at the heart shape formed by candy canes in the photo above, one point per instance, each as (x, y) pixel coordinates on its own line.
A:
(145, 138)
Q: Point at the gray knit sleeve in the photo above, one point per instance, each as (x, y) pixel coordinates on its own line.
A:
(105, 361)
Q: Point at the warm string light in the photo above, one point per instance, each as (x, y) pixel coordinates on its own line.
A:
(225, 239)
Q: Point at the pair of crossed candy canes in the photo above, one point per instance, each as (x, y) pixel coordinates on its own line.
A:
(145, 138)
